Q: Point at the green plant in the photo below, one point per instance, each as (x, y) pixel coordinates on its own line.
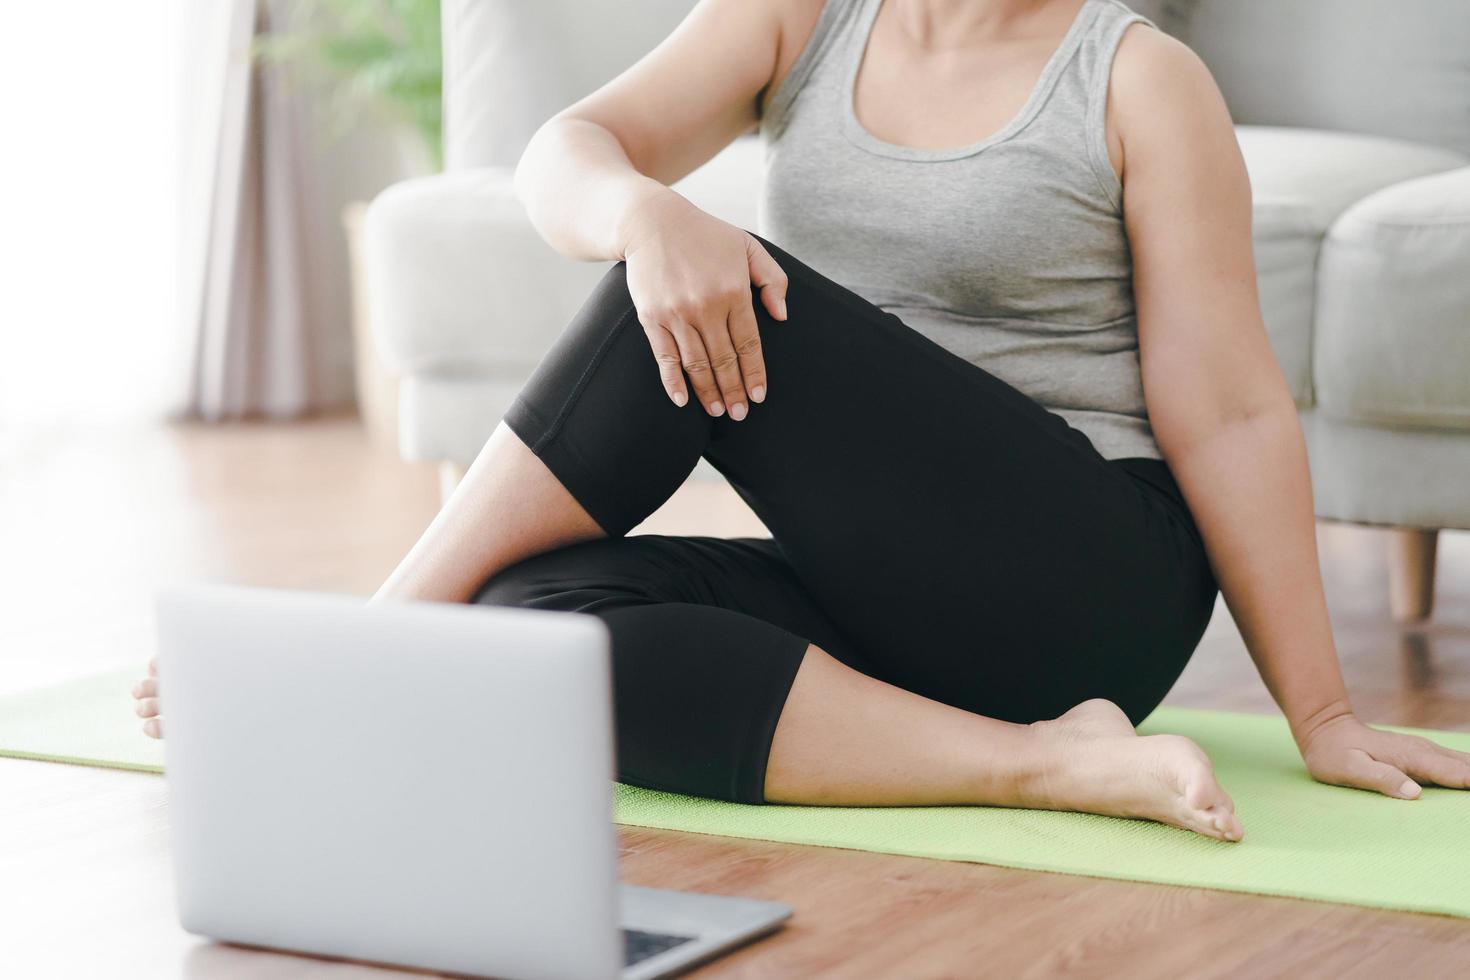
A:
(383, 54)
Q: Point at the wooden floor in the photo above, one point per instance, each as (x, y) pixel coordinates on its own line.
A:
(91, 523)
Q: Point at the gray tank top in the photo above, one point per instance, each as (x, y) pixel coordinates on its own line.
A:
(1009, 252)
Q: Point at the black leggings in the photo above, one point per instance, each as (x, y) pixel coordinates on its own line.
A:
(933, 527)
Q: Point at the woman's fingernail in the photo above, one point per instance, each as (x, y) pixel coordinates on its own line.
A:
(737, 411)
(680, 399)
(781, 305)
(1410, 788)
(757, 394)
(716, 409)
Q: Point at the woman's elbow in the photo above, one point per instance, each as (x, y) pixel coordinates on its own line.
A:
(1181, 429)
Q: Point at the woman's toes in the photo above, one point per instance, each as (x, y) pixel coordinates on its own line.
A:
(1209, 823)
(1204, 806)
(1225, 822)
(1202, 792)
(1228, 824)
(1217, 811)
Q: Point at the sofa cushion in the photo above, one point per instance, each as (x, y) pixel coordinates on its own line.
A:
(1301, 180)
(1393, 309)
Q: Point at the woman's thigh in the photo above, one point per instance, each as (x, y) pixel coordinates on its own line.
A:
(747, 575)
(976, 546)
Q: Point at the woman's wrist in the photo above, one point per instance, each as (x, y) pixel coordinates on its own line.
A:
(648, 205)
(1304, 727)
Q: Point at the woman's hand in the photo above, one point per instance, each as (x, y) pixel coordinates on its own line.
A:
(1345, 752)
(690, 275)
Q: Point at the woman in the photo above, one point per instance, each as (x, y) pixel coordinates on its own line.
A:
(991, 558)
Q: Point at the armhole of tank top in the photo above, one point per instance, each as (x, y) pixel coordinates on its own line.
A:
(1097, 103)
(831, 14)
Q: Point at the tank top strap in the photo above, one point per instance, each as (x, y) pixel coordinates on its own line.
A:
(835, 24)
(1094, 67)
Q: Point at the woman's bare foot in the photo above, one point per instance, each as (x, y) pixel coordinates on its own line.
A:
(146, 692)
(1097, 763)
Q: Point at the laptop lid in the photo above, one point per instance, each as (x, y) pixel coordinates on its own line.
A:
(416, 783)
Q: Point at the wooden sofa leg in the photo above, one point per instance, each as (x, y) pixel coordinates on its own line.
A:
(1411, 573)
(450, 473)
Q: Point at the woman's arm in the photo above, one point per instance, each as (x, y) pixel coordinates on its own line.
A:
(606, 157)
(1222, 412)
(593, 180)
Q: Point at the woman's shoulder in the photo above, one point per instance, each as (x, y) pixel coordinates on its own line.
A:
(1162, 92)
(1151, 65)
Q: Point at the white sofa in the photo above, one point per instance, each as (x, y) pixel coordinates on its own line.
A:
(1354, 117)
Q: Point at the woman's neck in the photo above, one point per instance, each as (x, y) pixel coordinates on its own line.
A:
(940, 24)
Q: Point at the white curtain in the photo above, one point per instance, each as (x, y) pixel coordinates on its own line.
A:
(170, 221)
(264, 306)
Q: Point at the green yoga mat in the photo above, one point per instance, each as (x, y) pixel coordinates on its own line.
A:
(1302, 838)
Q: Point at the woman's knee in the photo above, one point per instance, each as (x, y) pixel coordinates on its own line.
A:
(510, 586)
(606, 313)
(579, 576)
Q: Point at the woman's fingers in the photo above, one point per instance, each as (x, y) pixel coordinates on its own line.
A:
(1452, 753)
(1368, 773)
(725, 363)
(746, 337)
(689, 302)
(146, 707)
(697, 366)
(146, 688)
(670, 367)
(153, 728)
(1430, 764)
(766, 274)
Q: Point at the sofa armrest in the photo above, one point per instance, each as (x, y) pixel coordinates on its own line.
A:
(459, 282)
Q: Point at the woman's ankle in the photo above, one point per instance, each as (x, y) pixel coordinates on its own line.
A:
(1018, 765)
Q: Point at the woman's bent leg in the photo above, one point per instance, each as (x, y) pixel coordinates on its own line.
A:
(898, 507)
(977, 547)
(715, 653)
(718, 692)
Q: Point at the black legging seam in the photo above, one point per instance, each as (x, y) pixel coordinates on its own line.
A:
(573, 396)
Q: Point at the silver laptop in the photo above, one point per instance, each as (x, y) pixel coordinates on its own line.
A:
(420, 784)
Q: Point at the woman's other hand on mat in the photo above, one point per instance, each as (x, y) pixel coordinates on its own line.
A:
(690, 276)
(1345, 752)
(146, 694)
